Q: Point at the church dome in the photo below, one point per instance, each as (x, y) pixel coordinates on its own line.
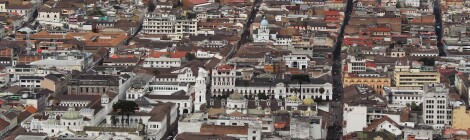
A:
(308, 101)
(71, 114)
(264, 22)
(236, 96)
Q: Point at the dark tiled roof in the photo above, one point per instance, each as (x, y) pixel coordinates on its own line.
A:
(3, 124)
(161, 111)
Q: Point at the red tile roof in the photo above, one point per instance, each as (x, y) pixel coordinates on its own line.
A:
(331, 13)
(224, 67)
(31, 109)
(224, 130)
(178, 54)
(380, 29)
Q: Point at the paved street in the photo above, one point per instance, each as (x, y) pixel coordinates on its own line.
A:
(438, 27)
(245, 35)
(336, 106)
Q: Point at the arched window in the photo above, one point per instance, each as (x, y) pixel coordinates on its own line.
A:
(69, 123)
(74, 123)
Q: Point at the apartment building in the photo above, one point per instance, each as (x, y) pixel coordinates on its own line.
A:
(436, 110)
(414, 76)
(168, 24)
(355, 64)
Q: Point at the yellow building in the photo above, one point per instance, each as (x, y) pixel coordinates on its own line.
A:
(461, 118)
(377, 82)
(416, 76)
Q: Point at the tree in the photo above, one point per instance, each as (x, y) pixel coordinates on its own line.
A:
(191, 15)
(123, 107)
(113, 120)
(189, 56)
(262, 96)
(427, 61)
(321, 90)
(398, 5)
(415, 107)
(300, 79)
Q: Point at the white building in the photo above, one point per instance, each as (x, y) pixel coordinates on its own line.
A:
(157, 118)
(200, 90)
(385, 124)
(226, 80)
(49, 15)
(23, 70)
(183, 101)
(204, 54)
(25, 10)
(355, 118)
(262, 34)
(412, 3)
(162, 62)
(464, 66)
(437, 111)
(223, 79)
(66, 61)
(355, 64)
(296, 61)
(168, 24)
(306, 128)
(400, 97)
(30, 81)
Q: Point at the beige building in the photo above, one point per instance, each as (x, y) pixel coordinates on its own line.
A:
(461, 118)
(414, 76)
(376, 81)
(56, 83)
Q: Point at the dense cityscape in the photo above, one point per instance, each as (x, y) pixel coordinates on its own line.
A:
(234, 69)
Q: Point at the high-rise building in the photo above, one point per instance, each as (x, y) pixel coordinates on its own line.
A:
(437, 111)
(414, 76)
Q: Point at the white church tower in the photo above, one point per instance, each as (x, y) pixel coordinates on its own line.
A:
(200, 89)
(263, 32)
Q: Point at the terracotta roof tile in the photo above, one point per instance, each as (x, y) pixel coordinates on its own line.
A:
(224, 130)
(31, 109)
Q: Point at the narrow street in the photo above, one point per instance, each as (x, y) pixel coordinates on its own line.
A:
(245, 35)
(335, 128)
(438, 27)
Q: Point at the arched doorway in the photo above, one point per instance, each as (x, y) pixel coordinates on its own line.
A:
(185, 111)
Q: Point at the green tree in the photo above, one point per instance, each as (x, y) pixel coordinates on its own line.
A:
(190, 56)
(427, 61)
(415, 107)
(398, 5)
(321, 90)
(191, 15)
(113, 120)
(262, 96)
(123, 107)
(300, 79)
